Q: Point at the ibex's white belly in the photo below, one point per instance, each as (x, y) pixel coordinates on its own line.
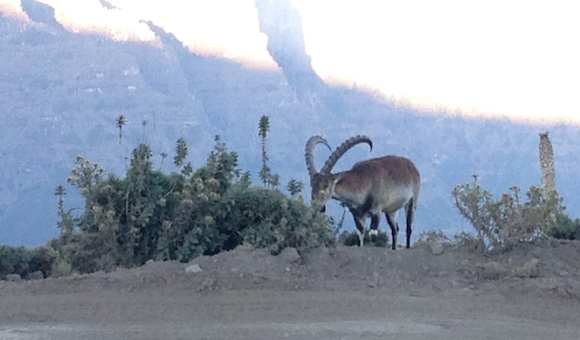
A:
(388, 200)
(392, 200)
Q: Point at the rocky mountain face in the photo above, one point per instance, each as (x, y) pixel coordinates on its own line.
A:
(60, 93)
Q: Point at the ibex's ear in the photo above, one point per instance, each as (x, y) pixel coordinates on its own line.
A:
(336, 179)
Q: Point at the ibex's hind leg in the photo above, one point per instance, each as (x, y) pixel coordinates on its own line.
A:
(374, 229)
(392, 221)
(410, 213)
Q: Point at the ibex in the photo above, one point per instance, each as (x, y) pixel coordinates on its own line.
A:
(379, 185)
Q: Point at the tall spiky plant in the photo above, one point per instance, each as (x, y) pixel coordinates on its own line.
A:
(144, 124)
(121, 121)
(180, 153)
(265, 173)
(60, 192)
(66, 221)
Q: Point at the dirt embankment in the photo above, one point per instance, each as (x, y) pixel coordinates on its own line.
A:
(428, 292)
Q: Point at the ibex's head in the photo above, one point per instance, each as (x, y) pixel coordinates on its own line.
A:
(323, 182)
(322, 189)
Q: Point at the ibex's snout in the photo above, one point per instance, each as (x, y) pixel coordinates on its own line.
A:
(320, 195)
(321, 207)
(318, 204)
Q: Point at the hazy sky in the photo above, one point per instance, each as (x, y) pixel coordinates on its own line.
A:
(515, 58)
(519, 58)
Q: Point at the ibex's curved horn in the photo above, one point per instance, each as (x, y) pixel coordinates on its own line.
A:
(341, 150)
(309, 150)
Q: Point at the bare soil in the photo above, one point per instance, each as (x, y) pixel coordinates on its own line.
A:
(529, 292)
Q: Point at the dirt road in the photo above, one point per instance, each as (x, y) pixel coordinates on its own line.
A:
(327, 294)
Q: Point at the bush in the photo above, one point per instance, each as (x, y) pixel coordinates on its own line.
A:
(466, 239)
(266, 218)
(61, 268)
(502, 222)
(42, 259)
(430, 236)
(350, 238)
(23, 261)
(14, 260)
(148, 214)
(566, 228)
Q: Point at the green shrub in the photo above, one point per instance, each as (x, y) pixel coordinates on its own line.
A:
(61, 268)
(23, 261)
(266, 218)
(566, 228)
(350, 238)
(14, 260)
(430, 236)
(464, 238)
(502, 222)
(148, 214)
(42, 259)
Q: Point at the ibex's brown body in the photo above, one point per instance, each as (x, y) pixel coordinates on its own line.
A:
(371, 187)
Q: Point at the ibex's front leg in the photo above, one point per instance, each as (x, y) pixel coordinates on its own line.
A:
(360, 229)
(359, 221)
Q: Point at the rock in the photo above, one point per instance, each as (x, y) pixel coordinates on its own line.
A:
(528, 270)
(375, 280)
(548, 284)
(13, 278)
(208, 284)
(257, 279)
(436, 248)
(37, 275)
(492, 271)
(290, 255)
(194, 268)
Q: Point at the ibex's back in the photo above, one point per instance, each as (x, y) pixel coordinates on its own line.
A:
(389, 169)
(384, 184)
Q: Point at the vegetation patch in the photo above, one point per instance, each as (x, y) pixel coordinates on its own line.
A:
(150, 214)
(500, 223)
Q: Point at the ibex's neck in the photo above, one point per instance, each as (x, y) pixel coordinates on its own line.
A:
(351, 189)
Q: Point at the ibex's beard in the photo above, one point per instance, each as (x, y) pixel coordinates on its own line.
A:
(323, 209)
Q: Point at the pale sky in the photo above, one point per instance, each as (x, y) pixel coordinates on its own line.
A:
(519, 59)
